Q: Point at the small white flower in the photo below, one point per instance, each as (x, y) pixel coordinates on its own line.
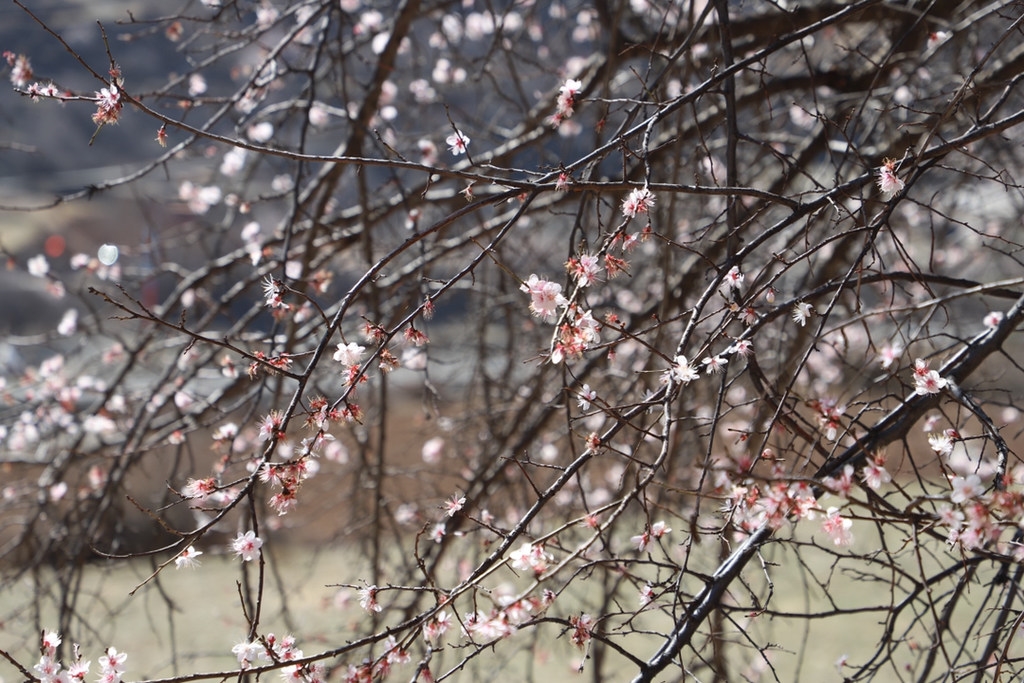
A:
(801, 312)
(683, 371)
(458, 143)
(349, 354)
(714, 365)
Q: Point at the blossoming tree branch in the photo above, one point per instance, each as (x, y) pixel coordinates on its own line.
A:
(642, 340)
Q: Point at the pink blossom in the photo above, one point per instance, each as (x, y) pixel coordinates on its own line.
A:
(113, 661)
(530, 557)
(187, 558)
(890, 354)
(646, 594)
(579, 333)
(966, 488)
(108, 106)
(714, 365)
(683, 371)
(349, 354)
(79, 670)
(874, 476)
(436, 627)
(270, 426)
(888, 182)
(581, 626)
(199, 489)
(454, 504)
(248, 652)
(639, 200)
(432, 450)
(368, 599)
(584, 269)
(837, 527)
(562, 184)
(21, 69)
(951, 517)
(927, 381)
(655, 531)
(585, 397)
(395, 653)
(993, 319)
(842, 484)
(50, 641)
(741, 347)
(545, 298)
(247, 545)
(458, 143)
(49, 669)
(567, 95)
(801, 312)
(936, 38)
(941, 443)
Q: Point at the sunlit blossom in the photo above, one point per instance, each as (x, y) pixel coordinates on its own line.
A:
(639, 200)
(966, 488)
(458, 143)
(188, 558)
(247, 546)
(838, 527)
(349, 354)
(802, 311)
(888, 182)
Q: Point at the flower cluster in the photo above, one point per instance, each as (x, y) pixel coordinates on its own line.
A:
(270, 649)
(977, 517)
(838, 527)
(926, 380)
(530, 557)
(640, 200)
(51, 670)
(545, 298)
(568, 97)
(579, 332)
(752, 505)
(829, 414)
(501, 622)
(685, 371)
(581, 630)
(108, 105)
(437, 627)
